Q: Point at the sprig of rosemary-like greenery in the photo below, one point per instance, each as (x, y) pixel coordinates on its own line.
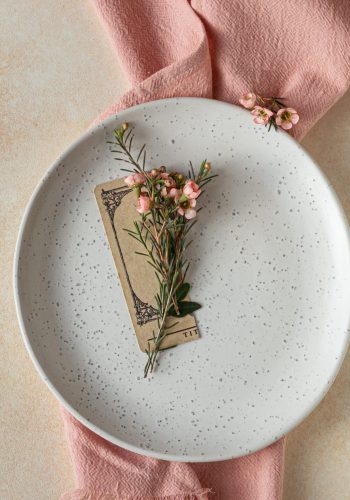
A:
(163, 231)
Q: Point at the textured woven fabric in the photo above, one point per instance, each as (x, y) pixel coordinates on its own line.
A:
(220, 48)
(107, 472)
(299, 50)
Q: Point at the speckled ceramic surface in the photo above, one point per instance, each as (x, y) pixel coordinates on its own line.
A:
(270, 266)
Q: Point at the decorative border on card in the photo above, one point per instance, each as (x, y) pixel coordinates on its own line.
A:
(112, 199)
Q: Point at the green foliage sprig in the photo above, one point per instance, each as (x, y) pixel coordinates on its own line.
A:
(167, 202)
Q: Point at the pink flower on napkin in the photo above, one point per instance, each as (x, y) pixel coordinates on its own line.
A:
(286, 118)
(248, 100)
(262, 115)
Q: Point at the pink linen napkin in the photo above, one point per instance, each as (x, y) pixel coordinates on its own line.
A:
(105, 471)
(299, 50)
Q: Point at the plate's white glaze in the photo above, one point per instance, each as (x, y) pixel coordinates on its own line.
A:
(270, 266)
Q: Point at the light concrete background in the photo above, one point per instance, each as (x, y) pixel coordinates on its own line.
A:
(57, 73)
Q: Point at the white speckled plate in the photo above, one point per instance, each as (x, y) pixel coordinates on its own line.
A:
(270, 266)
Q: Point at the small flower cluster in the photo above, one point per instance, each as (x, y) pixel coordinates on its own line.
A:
(269, 111)
(158, 187)
(167, 204)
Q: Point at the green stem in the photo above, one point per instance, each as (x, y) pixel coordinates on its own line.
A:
(152, 355)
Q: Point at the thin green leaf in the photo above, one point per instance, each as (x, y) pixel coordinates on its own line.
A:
(128, 135)
(140, 153)
(144, 160)
(182, 291)
(184, 309)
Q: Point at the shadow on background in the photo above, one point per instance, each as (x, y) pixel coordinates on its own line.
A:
(318, 451)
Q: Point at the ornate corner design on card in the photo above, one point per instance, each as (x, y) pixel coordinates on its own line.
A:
(112, 199)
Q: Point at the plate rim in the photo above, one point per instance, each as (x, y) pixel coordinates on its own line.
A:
(25, 337)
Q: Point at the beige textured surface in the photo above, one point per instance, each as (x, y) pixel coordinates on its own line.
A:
(57, 72)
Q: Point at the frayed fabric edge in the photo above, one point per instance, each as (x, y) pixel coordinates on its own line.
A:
(86, 494)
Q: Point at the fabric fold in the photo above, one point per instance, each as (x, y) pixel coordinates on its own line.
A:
(105, 471)
(173, 58)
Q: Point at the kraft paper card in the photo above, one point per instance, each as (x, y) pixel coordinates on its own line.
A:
(116, 202)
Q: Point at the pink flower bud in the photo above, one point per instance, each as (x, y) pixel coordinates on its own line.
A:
(171, 192)
(248, 100)
(174, 193)
(143, 203)
(169, 182)
(134, 180)
(191, 190)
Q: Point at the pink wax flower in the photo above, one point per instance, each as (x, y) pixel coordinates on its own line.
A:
(286, 118)
(174, 193)
(164, 175)
(153, 173)
(270, 111)
(191, 190)
(248, 100)
(134, 180)
(262, 115)
(169, 181)
(143, 203)
(171, 192)
(186, 208)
